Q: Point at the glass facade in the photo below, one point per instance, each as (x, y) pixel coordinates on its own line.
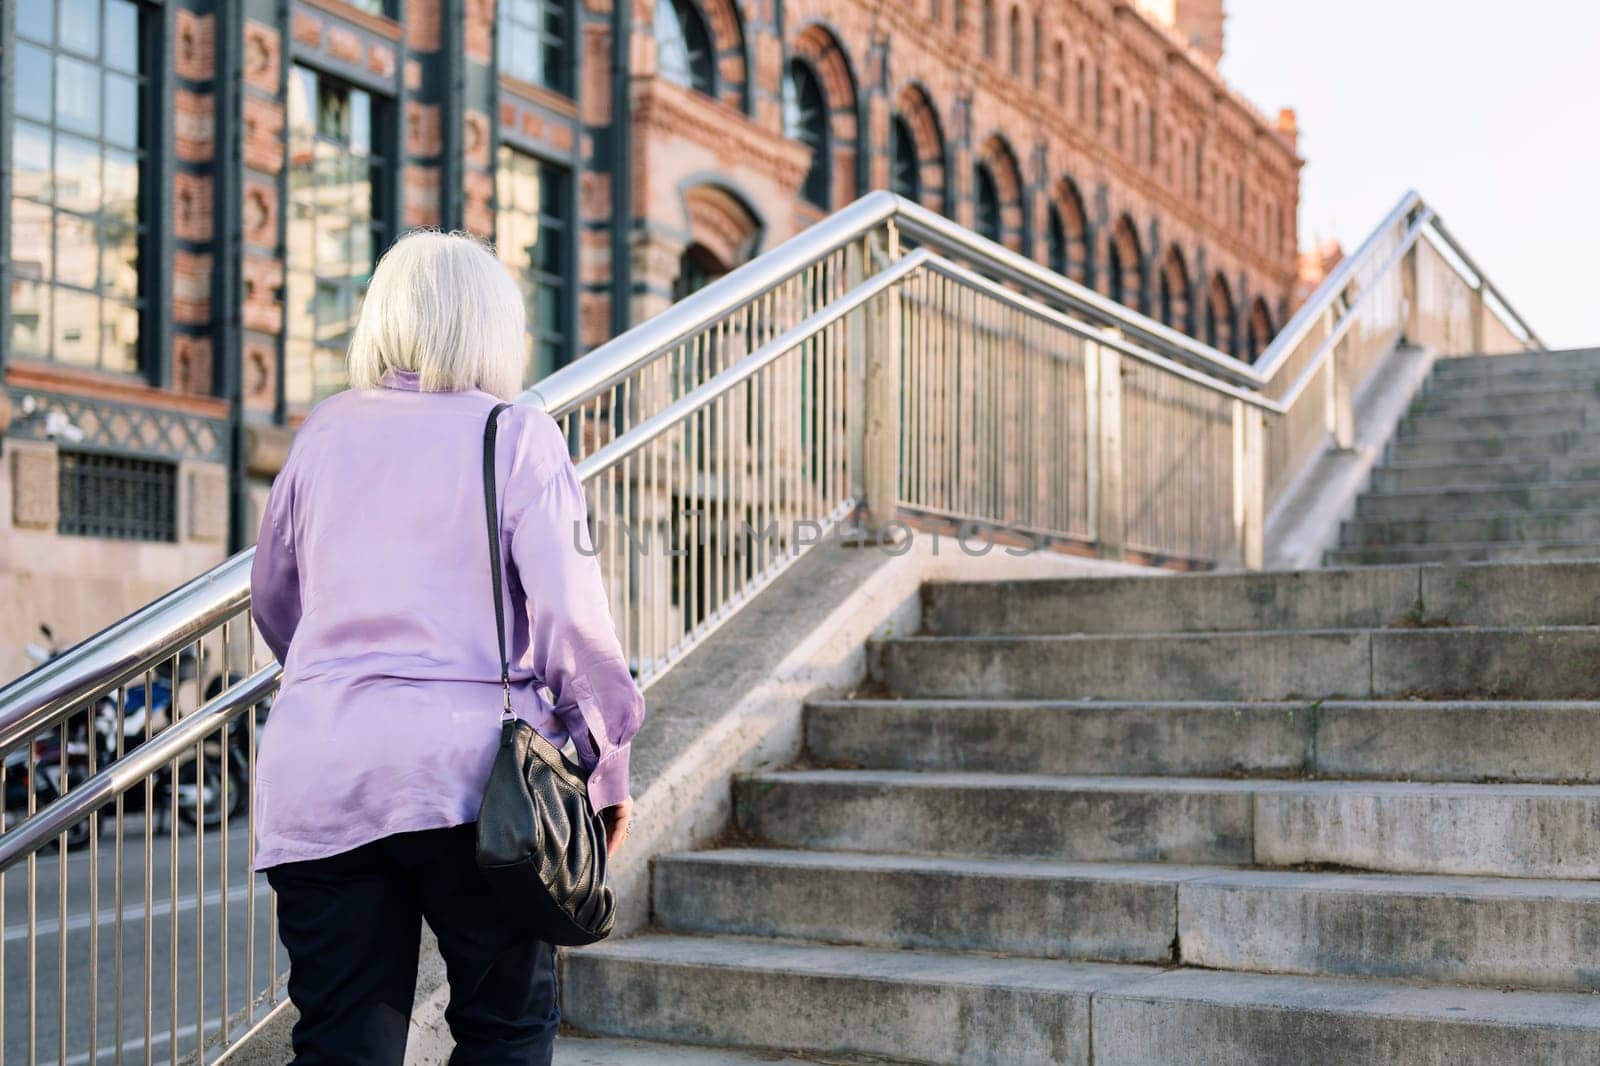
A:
(76, 161)
(533, 237)
(333, 231)
(534, 36)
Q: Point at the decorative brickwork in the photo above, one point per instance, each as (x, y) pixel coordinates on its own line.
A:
(263, 278)
(191, 288)
(191, 206)
(262, 57)
(194, 52)
(191, 364)
(194, 126)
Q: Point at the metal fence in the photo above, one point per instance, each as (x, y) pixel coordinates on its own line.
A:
(885, 365)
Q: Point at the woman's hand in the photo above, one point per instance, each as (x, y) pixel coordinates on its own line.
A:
(616, 821)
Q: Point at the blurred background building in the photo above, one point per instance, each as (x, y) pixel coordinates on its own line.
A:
(195, 192)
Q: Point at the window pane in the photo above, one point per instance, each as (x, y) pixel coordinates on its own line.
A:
(33, 82)
(77, 95)
(77, 251)
(30, 318)
(360, 122)
(36, 19)
(80, 26)
(30, 240)
(77, 180)
(122, 185)
(77, 334)
(122, 35)
(122, 110)
(119, 275)
(119, 331)
(30, 149)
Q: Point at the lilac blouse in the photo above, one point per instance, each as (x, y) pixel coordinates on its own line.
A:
(371, 585)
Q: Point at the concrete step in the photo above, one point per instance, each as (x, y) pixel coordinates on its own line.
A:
(1447, 528)
(1570, 418)
(1481, 499)
(907, 1005)
(1535, 594)
(1574, 359)
(1492, 931)
(1478, 447)
(613, 1051)
(1507, 400)
(939, 1008)
(1458, 930)
(1483, 552)
(1095, 911)
(1408, 739)
(1415, 477)
(1489, 379)
(1203, 1018)
(1520, 663)
(1498, 830)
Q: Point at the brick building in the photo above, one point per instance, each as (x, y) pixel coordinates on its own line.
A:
(195, 192)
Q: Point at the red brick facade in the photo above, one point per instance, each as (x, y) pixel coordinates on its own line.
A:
(1171, 191)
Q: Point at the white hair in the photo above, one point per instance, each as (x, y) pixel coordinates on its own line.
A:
(442, 305)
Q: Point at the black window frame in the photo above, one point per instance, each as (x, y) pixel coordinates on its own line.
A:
(812, 128)
(152, 165)
(383, 167)
(556, 185)
(552, 30)
(987, 213)
(905, 168)
(699, 59)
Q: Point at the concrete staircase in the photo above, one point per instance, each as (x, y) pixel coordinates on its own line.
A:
(1499, 458)
(1330, 817)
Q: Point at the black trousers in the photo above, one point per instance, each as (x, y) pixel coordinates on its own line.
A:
(351, 924)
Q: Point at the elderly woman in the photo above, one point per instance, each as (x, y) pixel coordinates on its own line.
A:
(371, 585)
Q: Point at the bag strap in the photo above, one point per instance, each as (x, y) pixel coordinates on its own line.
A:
(491, 429)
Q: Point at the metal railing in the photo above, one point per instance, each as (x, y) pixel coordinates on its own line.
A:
(883, 366)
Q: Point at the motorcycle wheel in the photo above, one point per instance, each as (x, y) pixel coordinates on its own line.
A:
(205, 809)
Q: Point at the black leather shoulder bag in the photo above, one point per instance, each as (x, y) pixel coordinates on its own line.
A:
(541, 846)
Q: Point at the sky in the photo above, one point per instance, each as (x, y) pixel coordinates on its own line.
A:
(1491, 110)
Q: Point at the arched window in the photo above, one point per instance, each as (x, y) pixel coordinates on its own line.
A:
(1260, 330)
(905, 170)
(1114, 287)
(1056, 241)
(1061, 74)
(986, 196)
(988, 28)
(1219, 315)
(1173, 292)
(1066, 233)
(1014, 43)
(698, 268)
(1125, 265)
(805, 119)
(683, 46)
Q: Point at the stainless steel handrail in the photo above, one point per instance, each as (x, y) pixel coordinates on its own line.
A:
(171, 621)
(118, 777)
(120, 651)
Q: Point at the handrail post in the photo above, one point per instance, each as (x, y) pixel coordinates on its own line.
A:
(1411, 292)
(855, 361)
(1340, 416)
(1103, 369)
(1478, 309)
(1249, 484)
(881, 389)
